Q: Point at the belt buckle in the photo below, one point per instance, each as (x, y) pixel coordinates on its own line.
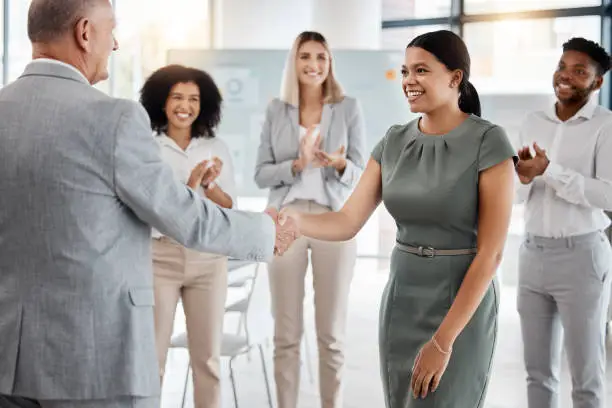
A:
(426, 252)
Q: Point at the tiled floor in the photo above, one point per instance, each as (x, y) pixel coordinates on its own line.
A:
(362, 385)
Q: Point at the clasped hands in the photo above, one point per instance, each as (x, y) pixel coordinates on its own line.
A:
(287, 229)
(310, 152)
(205, 173)
(530, 166)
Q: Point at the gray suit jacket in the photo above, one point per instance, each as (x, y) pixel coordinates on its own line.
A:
(341, 124)
(81, 183)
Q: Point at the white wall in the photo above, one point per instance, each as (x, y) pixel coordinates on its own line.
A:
(274, 24)
(348, 24)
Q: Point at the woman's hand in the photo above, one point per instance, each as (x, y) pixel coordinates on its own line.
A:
(197, 174)
(335, 159)
(429, 366)
(214, 167)
(287, 214)
(309, 145)
(287, 229)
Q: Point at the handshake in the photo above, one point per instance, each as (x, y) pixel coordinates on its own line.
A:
(287, 230)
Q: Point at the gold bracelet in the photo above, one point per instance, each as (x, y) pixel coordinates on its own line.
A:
(437, 346)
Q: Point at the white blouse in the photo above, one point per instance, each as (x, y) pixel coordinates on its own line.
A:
(311, 185)
(199, 149)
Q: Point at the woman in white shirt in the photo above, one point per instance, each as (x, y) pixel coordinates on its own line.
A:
(311, 156)
(184, 105)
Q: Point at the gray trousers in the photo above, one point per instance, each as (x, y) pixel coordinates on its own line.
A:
(7, 401)
(564, 288)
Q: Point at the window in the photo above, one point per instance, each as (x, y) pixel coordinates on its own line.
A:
(411, 9)
(512, 67)
(398, 38)
(512, 60)
(499, 6)
(510, 57)
(19, 47)
(146, 31)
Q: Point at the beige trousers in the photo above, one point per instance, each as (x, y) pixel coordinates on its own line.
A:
(200, 279)
(332, 267)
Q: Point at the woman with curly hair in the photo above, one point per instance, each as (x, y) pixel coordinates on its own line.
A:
(184, 105)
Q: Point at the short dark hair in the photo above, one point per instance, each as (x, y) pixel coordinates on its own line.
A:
(596, 52)
(50, 19)
(451, 51)
(156, 89)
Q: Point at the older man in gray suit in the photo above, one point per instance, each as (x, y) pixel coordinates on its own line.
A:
(81, 183)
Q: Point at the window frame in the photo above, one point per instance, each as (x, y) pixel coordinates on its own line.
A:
(457, 19)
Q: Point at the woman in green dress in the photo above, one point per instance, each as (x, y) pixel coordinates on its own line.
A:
(447, 179)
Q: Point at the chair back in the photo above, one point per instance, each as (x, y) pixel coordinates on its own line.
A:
(259, 324)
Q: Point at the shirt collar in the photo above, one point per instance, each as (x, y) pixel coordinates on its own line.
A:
(586, 112)
(169, 142)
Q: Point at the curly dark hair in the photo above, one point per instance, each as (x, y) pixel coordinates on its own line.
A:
(595, 51)
(156, 89)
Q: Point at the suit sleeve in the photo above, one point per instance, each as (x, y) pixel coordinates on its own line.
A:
(145, 184)
(270, 173)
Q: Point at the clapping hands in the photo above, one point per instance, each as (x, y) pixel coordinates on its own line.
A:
(213, 170)
(311, 153)
(335, 159)
(205, 173)
(287, 230)
(309, 145)
(530, 166)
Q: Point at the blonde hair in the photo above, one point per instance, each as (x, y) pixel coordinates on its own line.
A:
(290, 87)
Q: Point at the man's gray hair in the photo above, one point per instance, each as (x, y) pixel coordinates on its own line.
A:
(48, 20)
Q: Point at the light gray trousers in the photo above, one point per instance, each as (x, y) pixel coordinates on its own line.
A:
(564, 288)
(7, 401)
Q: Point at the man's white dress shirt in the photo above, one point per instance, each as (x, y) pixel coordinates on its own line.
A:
(571, 196)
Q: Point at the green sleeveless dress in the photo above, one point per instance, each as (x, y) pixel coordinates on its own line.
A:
(430, 187)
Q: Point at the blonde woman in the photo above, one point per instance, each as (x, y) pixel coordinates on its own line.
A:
(311, 156)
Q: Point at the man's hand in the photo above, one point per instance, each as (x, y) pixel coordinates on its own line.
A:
(286, 232)
(523, 154)
(530, 166)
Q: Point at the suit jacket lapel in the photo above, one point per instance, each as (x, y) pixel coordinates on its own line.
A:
(324, 127)
(326, 117)
(294, 119)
